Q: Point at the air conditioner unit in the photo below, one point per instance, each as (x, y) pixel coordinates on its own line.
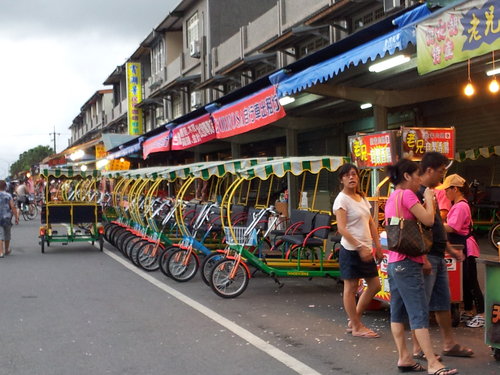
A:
(196, 99)
(194, 49)
(390, 5)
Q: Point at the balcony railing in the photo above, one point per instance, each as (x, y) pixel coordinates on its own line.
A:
(229, 51)
(294, 11)
(262, 29)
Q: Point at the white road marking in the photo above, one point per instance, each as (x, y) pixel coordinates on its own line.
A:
(287, 360)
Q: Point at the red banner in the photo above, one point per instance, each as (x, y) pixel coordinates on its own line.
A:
(158, 143)
(373, 150)
(193, 133)
(251, 113)
(417, 141)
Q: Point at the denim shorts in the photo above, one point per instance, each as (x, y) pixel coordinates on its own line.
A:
(352, 267)
(437, 287)
(408, 298)
(5, 232)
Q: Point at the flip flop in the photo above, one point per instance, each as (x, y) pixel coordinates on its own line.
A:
(458, 351)
(367, 334)
(445, 371)
(420, 355)
(416, 367)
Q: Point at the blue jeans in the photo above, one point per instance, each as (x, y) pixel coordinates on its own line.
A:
(408, 298)
(437, 287)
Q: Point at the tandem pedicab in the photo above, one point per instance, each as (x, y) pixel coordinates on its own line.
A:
(70, 212)
(305, 251)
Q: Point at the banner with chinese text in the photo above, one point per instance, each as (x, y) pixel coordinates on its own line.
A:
(417, 141)
(100, 151)
(134, 96)
(251, 113)
(158, 143)
(193, 133)
(465, 31)
(373, 150)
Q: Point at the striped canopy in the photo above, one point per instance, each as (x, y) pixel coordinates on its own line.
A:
(475, 153)
(294, 165)
(221, 168)
(69, 172)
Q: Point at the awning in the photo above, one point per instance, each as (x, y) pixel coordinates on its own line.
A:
(114, 140)
(476, 153)
(294, 165)
(125, 151)
(221, 168)
(69, 172)
(193, 133)
(389, 43)
(158, 143)
(252, 112)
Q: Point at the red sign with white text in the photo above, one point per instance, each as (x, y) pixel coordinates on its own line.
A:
(193, 133)
(417, 141)
(254, 112)
(158, 143)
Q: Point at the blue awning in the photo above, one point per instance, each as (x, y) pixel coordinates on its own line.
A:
(396, 40)
(125, 151)
(389, 43)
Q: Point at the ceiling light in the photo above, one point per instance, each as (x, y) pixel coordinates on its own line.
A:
(83, 168)
(493, 86)
(101, 163)
(493, 72)
(286, 100)
(77, 155)
(469, 89)
(389, 63)
(366, 105)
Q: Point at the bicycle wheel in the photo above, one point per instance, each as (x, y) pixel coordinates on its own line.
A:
(130, 248)
(208, 265)
(148, 256)
(24, 212)
(182, 265)
(32, 211)
(225, 286)
(494, 235)
(120, 240)
(162, 261)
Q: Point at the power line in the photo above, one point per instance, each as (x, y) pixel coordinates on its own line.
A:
(54, 139)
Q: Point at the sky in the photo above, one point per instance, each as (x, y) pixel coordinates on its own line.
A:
(55, 54)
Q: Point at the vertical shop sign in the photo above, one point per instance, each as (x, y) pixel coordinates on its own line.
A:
(134, 96)
(100, 151)
(373, 150)
(256, 110)
(465, 31)
(417, 141)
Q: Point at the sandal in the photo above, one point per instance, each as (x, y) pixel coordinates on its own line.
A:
(420, 355)
(476, 322)
(458, 351)
(369, 334)
(445, 371)
(416, 367)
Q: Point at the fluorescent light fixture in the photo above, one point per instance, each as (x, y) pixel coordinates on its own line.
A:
(286, 100)
(101, 163)
(83, 168)
(389, 63)
(77, 155)
(366, 105)
(493, 72)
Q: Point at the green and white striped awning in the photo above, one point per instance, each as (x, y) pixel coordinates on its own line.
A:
(294, 165)
(221, 168)
(476, 153)
(69, 172)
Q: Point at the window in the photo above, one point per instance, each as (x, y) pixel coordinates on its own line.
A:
(368, 18)
(177, 106)
(158, 58)
(192, 29)
(315, 44)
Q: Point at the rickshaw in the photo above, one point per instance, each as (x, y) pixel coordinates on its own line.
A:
(70, 212)
(308, 255)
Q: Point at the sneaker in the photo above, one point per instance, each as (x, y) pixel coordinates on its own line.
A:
(466, 317)
(476, 322)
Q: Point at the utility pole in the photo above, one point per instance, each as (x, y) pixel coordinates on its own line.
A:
(54, 139)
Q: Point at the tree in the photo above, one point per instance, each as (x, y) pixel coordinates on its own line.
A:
(29, 158)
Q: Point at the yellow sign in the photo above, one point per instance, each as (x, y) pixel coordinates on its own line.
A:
(100, 151)
(117, 165)
(134, 96)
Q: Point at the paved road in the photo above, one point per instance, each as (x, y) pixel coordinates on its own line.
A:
(75, 310)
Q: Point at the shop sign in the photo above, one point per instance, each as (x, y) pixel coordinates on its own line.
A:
(373, 150)
(248, 114)
(100, 151)
(57, 161)
(158, 143)
(193, 133)
(463, 32)
(118, 165)
(417, 141)
(134, 96)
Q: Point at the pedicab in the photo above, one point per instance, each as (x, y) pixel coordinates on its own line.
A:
(70, 212)
(308, 253)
